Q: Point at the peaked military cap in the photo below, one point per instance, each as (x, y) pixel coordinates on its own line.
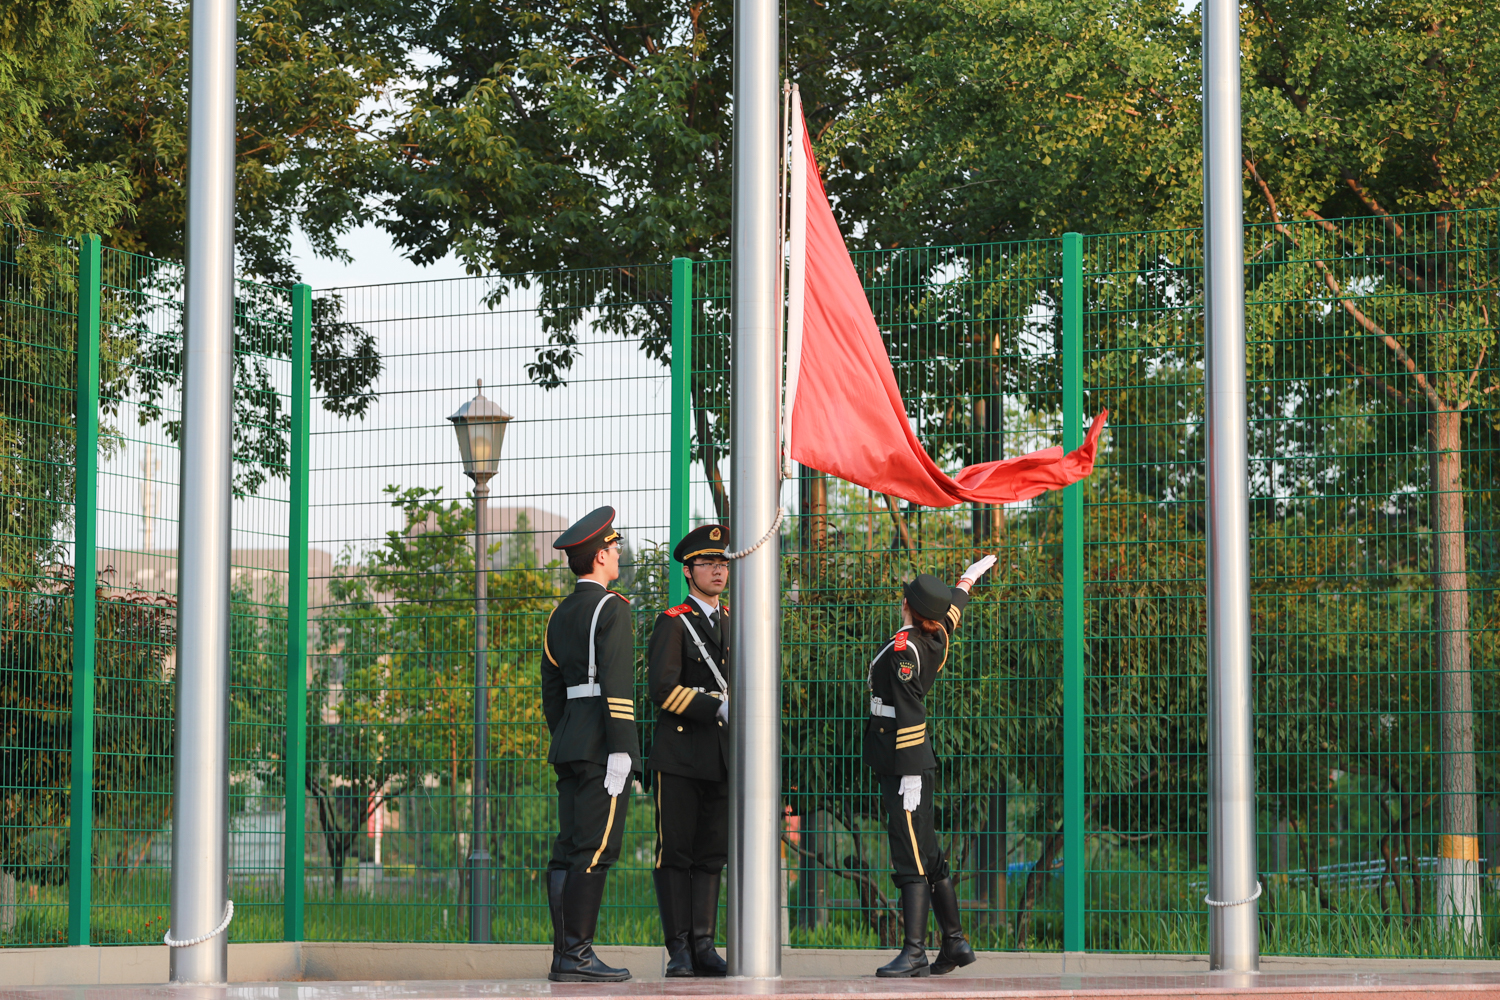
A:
(704, 540)
(590, 533)
(928, 596)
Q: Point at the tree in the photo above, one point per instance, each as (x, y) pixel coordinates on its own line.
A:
(395, 681)
(596, 135)
(1354, 114)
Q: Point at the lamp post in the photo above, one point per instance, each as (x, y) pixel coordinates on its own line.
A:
(480, 426)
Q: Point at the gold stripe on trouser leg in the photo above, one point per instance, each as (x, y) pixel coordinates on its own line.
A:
(916, 851)
(609, 824)
(658, 819)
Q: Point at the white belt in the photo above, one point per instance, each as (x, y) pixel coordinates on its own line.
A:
(591, 689)
(877, 707)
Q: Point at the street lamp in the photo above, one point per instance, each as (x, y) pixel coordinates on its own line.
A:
(480, 426)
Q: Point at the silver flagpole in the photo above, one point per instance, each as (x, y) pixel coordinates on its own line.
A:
(755, 701)
(200, 780)
(1233, 928)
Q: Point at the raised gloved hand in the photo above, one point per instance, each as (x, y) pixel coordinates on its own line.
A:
(615, 773)
(911, 792)
(723, 710)
(975, 571)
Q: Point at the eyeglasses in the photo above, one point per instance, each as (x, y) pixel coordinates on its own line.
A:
(712, 564)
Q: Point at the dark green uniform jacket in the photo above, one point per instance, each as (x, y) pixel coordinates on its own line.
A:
(900, 677)
(602, 722)
(690, 740)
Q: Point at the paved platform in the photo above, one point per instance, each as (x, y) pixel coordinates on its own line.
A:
(1272, 985)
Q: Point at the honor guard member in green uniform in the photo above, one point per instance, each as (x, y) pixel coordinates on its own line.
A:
(898, 747)
(689, 680)
(587, 681)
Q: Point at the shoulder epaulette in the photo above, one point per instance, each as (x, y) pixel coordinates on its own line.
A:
(616, 593)
(724, 608)
(681, 609)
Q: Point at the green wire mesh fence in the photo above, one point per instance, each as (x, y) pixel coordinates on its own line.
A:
(1073, 812)
(574, 357)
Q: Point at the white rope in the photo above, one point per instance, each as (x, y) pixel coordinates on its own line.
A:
(223, 926)
(1235, 902)
(742, 553)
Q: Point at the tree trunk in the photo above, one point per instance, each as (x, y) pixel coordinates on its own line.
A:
(819, 511)
(711, 467)
(1458, 845)
(1040, 872)
(993, 858)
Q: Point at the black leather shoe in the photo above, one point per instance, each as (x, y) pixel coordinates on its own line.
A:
(556, 879)
(583, 893)
(956, 951)
(706, 961)
(673, 899)
(911, 962)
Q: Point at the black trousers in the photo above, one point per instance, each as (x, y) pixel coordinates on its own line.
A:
(591, 822)
(692, 822)
(915, 853)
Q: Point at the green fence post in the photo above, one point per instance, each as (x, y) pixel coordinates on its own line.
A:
(85, 604)
(1074, 877)
(296, 620)
(682, 412)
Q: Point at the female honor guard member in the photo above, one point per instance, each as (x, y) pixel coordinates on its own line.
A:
(898, 747)
(689, 677)
(587, 678)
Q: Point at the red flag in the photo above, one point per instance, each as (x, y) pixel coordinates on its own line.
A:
(847, 417)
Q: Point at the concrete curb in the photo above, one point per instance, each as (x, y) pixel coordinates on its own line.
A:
(325, 961)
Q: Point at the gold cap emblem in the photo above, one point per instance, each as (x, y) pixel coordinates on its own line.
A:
(715, 534)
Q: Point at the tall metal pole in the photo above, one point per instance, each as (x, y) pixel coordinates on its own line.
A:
(755, 700)
(1075, 844)
(679, 508)
(85, 597)
(1233, 923)
(200, 779)
(479, 854)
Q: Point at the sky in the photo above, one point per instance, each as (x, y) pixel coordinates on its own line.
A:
(376, 262)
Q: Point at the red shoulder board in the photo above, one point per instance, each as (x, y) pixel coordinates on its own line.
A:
(900, 641)
(724, 608)
(681, 609)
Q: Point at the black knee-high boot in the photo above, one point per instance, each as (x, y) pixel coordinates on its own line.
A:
(582, 896)
(706, 961)
(916, 899)
(673, 899)
(556, 879)
(956, 951)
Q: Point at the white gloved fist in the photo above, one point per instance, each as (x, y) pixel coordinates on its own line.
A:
(723, 711)
(911, 792)
(615, 773)
(976, 570)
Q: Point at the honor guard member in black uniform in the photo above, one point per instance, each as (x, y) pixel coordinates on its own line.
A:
(587, 681)
(898, 747)
(689, 680)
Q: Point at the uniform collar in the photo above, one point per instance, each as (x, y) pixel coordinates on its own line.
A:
(708, 609)
(588, 583)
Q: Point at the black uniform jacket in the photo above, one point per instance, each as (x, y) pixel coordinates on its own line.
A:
(900, 677)
(690, 740)
(590, 728)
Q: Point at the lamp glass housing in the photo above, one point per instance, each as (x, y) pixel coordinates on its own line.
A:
(480, 425)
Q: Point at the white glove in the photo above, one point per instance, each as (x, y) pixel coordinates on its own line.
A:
(615, 773)
(723, 711)
(911, 792)
(975, 571)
